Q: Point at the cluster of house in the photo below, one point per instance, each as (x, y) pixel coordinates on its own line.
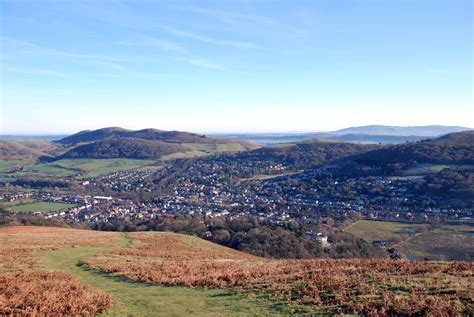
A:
(134, 180)
(222, 186)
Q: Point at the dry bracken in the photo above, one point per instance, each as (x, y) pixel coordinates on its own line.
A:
(372, 287)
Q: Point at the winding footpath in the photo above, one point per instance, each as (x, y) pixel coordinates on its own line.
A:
(141, 299)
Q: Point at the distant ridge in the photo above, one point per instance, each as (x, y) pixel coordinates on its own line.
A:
(426, 131)
(364, 134)
(116, 142)
(465, 137)
(124, 147)
(453, 149)
(144, 134)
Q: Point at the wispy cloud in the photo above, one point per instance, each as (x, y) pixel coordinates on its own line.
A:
(124, 16)
(210, 40)
(112, 62)
(257, 21)
(37, 71)
(38, 50)
(228, 15)
(149, 41)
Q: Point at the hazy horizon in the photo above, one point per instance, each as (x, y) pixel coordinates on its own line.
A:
(234, 67)
(289, 132)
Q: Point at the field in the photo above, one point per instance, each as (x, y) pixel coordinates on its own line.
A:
(6, 164)
(83, 168)
(169, 275)
(31, 206)
(383, 230)
(34, 257)
(450, 242)
(446, 243)
(422, 169)
(199, 149)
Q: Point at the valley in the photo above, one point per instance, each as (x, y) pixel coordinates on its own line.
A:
(311, 227)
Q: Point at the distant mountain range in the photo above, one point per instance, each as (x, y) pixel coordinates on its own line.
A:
(426, 131)
(365, 134)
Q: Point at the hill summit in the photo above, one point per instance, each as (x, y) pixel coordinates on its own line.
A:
(145, 134)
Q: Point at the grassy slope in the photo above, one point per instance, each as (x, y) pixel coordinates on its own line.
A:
(140, 299)
(86, 167)
(441, 244)
(39, 206)
(199, 149)
(381, 230)
(422, 169)
(447, 243)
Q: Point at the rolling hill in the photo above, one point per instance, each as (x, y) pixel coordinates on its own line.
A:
(452, 149)
(145, 134)
(117, 142)
(307, 154)
(365, 134)
(61, 271)
(466, 137)
(25, 150)
(123, 147)
(422, 131)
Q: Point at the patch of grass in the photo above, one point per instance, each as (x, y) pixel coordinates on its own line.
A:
(86, 167)
(421, 169)
(39, 206)
(18, 202)
(7, 179)
(370, 230)
(49, 169)
(442, 244)
(366, 287)
(189, 154)
(141, 299)
(5, 165)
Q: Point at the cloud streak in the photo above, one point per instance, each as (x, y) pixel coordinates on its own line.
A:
(149, 41)
(38, 50)
(229, 17)
(113, 62)
(38, 71)
(211, 40)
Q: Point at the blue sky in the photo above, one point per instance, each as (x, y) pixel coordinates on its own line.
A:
(234, 66)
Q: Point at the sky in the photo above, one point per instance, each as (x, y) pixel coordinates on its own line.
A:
(234, 66)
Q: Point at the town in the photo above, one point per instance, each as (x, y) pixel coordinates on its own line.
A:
(226, 186)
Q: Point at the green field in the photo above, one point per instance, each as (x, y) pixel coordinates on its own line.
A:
(442, 244)
(370, 230)
(83, 168)
(141, 299)
(18, 202)
(31, 206)
(199, 149)
(450, 242)
(6, 165)
(422, 169)
(180, 155)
